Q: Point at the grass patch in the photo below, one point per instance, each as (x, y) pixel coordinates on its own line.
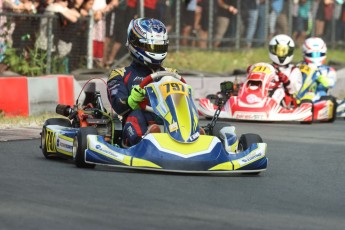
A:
(228, 61)
(20, 121)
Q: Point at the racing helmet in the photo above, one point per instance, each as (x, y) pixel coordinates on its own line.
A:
(147, 41)
(314, 51)
(281, 49)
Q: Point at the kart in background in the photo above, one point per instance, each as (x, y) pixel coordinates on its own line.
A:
(324, 104)
(253, 101)
(180, 148)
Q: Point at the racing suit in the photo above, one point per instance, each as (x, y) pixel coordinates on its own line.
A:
(326, 77)
(120, 83)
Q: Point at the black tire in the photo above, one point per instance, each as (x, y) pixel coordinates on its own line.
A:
(218, 127)
(334, 112)
(246, 140)
(52, 121)
(312, 110)
(211, 96)
(80, 145)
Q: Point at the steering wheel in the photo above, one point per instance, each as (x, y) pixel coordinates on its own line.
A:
(154, 77)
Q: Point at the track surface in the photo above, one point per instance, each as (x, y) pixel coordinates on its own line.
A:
(303, 188)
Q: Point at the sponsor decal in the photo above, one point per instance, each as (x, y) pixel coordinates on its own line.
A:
(139, 30)
(250, 157)
(194, 136)
(64, 145)
(137, 80)
(248, 116)
(117, 156)
(251, 98)
(173, 127)
(51, 141)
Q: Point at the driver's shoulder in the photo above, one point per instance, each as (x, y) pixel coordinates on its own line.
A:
(118, 72)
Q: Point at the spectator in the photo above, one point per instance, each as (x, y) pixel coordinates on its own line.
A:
(225, 10)
(340, 22)
(164, 13)
(329, 16)
(20, 27)
(301, 20)
(122, 18)
(260, 34)
(188, 21)
(64, 13)
(201, 22)
(276, 9)
(79, 47)
(249, 13)
(150, 7)
(282, 25)
(110, 29)
(100, 8)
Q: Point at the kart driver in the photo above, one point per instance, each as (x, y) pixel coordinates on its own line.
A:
(281, 48)
(314, 54)
(147, 42)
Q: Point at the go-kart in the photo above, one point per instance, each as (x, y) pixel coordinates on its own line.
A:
(324, 105)
(180, 148)
(254, 101)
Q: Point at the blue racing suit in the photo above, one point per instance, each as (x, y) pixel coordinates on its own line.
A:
(120, 83)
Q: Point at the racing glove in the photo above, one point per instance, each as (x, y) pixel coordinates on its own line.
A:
(137, 95)
(283, 78)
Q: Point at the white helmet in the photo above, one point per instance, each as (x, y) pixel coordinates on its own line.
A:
(281, 49)
(314, 51)
(147, 41)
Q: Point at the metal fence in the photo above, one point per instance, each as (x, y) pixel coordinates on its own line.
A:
(71, 47)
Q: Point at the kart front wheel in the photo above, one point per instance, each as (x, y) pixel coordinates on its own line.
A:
(246, 140)
(80, 145)
(47, 139)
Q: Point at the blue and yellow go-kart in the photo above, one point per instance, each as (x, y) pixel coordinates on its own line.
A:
(180, 148)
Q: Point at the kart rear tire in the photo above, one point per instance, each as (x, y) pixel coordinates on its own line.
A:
(51, 121)
(80, 145)
(312, 110)
(334, 112)
(246, 140)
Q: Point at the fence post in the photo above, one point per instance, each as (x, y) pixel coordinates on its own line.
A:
(177, 25)
(210, 24)
(50, 44)
(90, 41)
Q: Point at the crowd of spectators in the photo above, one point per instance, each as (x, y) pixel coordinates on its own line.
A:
(253, 21)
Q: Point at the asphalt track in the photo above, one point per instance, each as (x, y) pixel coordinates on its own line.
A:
(303, 188)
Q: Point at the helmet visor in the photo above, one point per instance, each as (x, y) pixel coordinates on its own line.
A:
(315, 54)
(281, 50)
(154, 48)
(150, 46)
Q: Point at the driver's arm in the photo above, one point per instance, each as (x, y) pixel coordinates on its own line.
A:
(118, 92)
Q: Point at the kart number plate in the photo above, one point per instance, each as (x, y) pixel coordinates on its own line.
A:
(261, 69)
(172, 87)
